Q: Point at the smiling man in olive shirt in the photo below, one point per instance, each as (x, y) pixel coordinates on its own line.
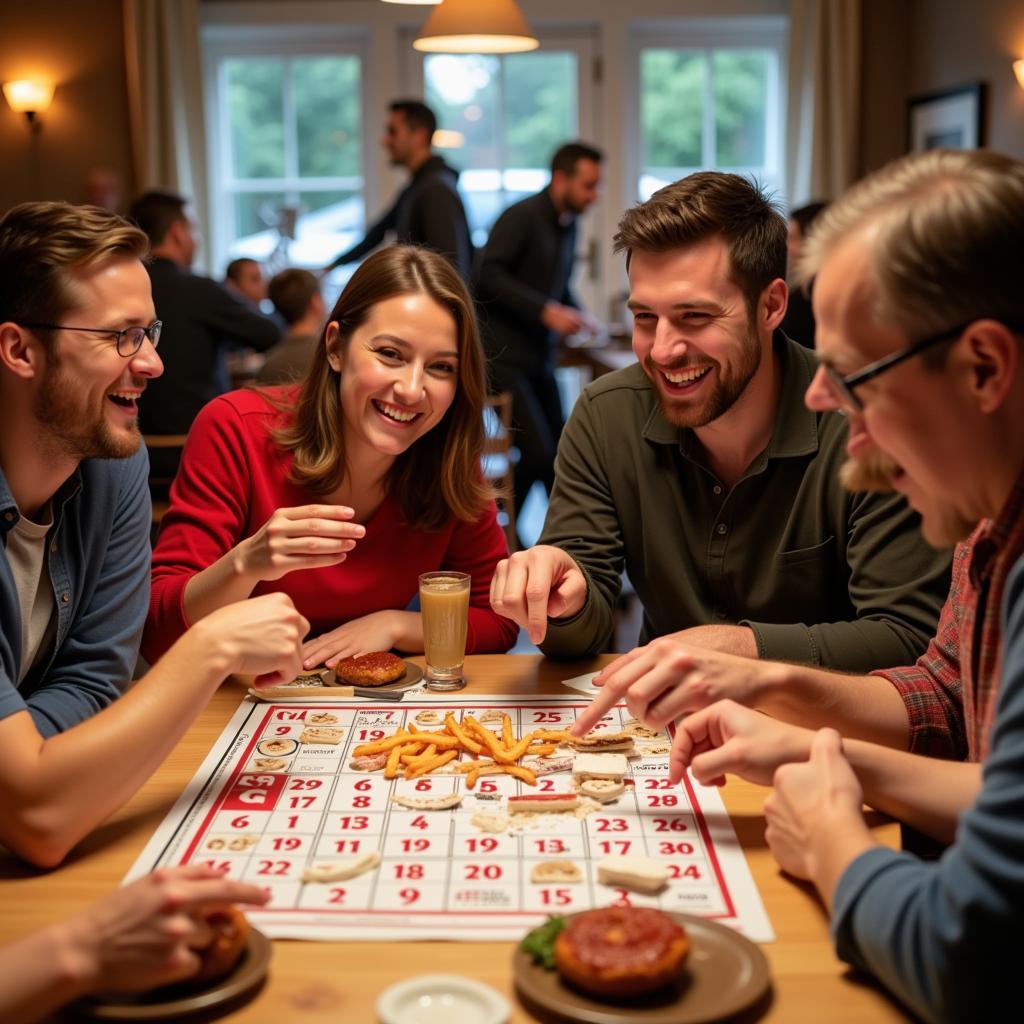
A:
(701, 472)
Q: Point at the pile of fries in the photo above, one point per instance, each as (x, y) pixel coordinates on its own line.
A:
(419, 751)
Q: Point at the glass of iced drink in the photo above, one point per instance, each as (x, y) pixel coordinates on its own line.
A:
(444, 606)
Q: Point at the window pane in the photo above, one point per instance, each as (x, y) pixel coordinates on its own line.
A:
(256, 116)
(256, 212)
(741, 96)
(540, 106)
(463, 91)
(327, 111)
(672, 85)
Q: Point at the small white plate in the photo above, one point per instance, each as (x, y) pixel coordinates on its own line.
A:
(441, 999)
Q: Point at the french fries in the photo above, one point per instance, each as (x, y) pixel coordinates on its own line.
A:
(415, 752)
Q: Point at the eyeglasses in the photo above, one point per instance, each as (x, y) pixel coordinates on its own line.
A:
(844, 385)
(128, 340)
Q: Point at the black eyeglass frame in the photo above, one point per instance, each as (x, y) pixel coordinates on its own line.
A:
(152, 332)
(845, 385)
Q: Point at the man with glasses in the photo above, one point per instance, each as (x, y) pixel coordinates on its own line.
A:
(700, 471)
(78, 337)
(935, 414)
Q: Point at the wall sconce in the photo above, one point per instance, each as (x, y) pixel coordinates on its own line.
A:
(1018, 70)
(471, 26)
(29, 97)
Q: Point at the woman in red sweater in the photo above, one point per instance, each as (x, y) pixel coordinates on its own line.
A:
(341, 490)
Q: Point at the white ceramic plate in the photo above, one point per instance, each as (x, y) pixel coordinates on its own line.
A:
(441, 999)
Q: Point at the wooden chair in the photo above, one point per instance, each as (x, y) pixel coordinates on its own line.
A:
(159, 480)
(499, 458)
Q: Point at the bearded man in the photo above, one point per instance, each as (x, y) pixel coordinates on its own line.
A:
(701, 472)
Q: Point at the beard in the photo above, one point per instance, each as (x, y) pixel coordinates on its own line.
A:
(730, 386)
(942, 526)
(76, 432)
(871, 472)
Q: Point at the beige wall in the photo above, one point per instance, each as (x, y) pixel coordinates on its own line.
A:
(956, 43)
(80, 46)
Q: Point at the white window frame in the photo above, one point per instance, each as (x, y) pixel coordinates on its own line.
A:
(225, 41)
(700, 35)
(584, 42)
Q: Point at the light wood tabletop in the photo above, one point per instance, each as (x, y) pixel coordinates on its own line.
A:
(331, 982)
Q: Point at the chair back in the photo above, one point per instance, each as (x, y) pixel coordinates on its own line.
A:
(499, 458)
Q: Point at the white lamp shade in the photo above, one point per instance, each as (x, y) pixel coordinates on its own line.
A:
(476, 26)
(1018, 70)
(28, 97)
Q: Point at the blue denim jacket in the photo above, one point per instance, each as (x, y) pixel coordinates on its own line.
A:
(98, 560)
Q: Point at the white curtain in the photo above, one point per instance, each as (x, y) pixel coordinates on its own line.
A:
(823, 105)
(165, 95)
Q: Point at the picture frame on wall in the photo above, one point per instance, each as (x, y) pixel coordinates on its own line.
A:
(950, 119)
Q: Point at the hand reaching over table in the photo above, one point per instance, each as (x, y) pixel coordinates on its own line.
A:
(534, 585)
(667, 679)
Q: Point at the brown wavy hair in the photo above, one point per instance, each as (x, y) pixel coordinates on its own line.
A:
(439, 474)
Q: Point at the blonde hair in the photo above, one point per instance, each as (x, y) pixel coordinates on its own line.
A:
(43, 244)
(439, 475)
(947, 229)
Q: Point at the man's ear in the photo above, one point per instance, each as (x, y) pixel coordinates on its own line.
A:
(332, 340)
(774, 301)
(992, 353)
(20, 353)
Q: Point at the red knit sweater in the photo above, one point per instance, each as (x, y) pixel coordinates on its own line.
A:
(231, 480)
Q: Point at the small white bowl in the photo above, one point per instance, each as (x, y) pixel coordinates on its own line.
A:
(442, 999)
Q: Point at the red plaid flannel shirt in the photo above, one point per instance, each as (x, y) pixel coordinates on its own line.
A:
(950, 693)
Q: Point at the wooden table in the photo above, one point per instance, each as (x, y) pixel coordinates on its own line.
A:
(324, 983)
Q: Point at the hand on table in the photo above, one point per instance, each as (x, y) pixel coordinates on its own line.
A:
(142, 936)
(668, 678)
(306, 537)
(814, 814)
(727, 737)
(533, 585)
(375, 632)
(261, 636)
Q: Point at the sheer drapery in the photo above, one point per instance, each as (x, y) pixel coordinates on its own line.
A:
(823, 98)
(165, 95)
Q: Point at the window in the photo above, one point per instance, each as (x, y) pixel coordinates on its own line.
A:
(510, 114)
(710, 100)
(286, 150)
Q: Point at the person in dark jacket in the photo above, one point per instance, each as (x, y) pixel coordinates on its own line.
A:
(528, 305)
(429, 210)
(200, 317)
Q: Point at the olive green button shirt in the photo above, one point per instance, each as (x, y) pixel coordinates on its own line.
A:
(822, 576)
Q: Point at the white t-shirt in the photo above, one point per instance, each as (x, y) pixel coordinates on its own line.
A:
(26, 555)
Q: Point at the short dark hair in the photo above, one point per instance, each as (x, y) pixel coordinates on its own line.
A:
(156, 211)
(291, 291)
(568, 156)
(417, 115)
(709, 204)
(42, 244)
(805, 216)
(234, 268)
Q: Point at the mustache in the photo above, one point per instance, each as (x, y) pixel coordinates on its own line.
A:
(683, 364)
(871, 472)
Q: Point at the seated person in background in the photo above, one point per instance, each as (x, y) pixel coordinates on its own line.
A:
(244, 278)
(201, 318)
(701, 472)
(799, 321)
(374, 461)
(136, 938)
(920, 314)
(296, 296)
(78, 338)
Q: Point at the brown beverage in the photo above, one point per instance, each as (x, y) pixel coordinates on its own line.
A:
(444, 607)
